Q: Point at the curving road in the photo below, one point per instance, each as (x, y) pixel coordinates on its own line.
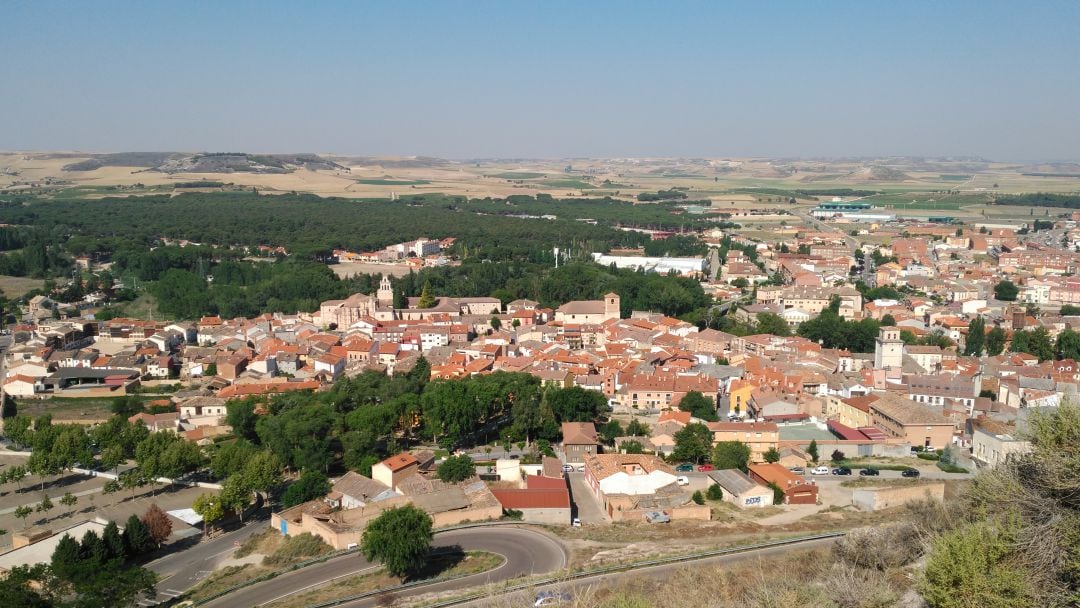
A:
(581, 589)
(526, 550)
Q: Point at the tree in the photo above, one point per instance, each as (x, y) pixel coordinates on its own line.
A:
(137, 538)
(715, 492)
(65, 562)
(699, 406)
(112, 457)
(1036, 342)
(23, 512)
(18, 430)
(210, 507)
(69, 500)
(113, 542)
(1067, 345)
(44, 506)
(111, 486)
(692, 443)
(241, 416)
(698, 497)
(976, 337)
(235, 495)
(157, 523)
(812, 450)
(1006, 291)
(637, 428)
(610, 430)
(837, 456)
(888, 320)
(632, 447)
(772, 455)
(995, 341)
(495, 323)
(1069, 310)
(400, 539)
(311, 485)
(770, 323)
(456, 469)
(10, 408)
(126, 406)
(426, 299)
(731, 455)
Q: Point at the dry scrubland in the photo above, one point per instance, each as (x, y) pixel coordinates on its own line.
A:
(724, 181)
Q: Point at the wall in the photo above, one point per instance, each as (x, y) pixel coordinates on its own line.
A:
(557, 517)
(874, 499)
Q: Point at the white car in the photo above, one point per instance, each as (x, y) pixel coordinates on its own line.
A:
(682, 480)
(822, 470)
(576, 523)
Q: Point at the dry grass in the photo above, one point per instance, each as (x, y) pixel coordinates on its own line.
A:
(474, 562)
(14, 287)
(224, 578)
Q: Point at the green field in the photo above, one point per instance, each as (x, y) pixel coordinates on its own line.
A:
(927, 200)
(393, 182)
(567, 183)
(518, 175)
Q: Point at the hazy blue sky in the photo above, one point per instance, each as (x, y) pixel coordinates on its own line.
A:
(544, 79)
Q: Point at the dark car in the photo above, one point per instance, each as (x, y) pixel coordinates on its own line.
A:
(909, 473)
(686, 467)
(869, 472)
(841, 471)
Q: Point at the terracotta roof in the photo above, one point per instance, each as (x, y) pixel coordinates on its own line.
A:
(579, 433)
(400, 461)
(533, 499)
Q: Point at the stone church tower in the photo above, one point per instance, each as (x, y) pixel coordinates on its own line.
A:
(385, 294)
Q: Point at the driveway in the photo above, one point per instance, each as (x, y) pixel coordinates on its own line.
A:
(583, 502)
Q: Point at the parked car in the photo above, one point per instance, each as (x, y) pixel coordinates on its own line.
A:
(686, 467)
(797, 470)
(841, 471)
(869, 472)
(822, 470)
(576, 523)
(657, 517)
(551, 598)
(705, 468)
(909, 473)
(682, 480)
(567, 468)
(581, 469)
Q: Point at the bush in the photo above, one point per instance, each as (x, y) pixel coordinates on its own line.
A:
(880, 548)
(456, 469)
(714, 492)
(838, 456)
(950, 468)
(698, 497)
(296, 549)
(928, 456)
(513, 514)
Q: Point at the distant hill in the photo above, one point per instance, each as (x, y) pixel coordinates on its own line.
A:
(879, 173)
(214, 162)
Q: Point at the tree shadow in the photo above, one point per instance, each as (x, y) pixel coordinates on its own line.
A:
(439, 562)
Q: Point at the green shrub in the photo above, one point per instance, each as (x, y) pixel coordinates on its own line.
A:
(928, 456)
(714, 492)
(698, 497)
(950, 468)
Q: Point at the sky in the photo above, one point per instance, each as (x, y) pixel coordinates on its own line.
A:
(518, 79)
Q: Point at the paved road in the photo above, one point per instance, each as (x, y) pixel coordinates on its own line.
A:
(527, 552)
(583, 502)
(184, 569)
(582, 588)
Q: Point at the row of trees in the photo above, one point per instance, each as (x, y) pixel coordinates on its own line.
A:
(97, 570)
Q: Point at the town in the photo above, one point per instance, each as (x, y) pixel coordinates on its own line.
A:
(560, 304)
(905, 353)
